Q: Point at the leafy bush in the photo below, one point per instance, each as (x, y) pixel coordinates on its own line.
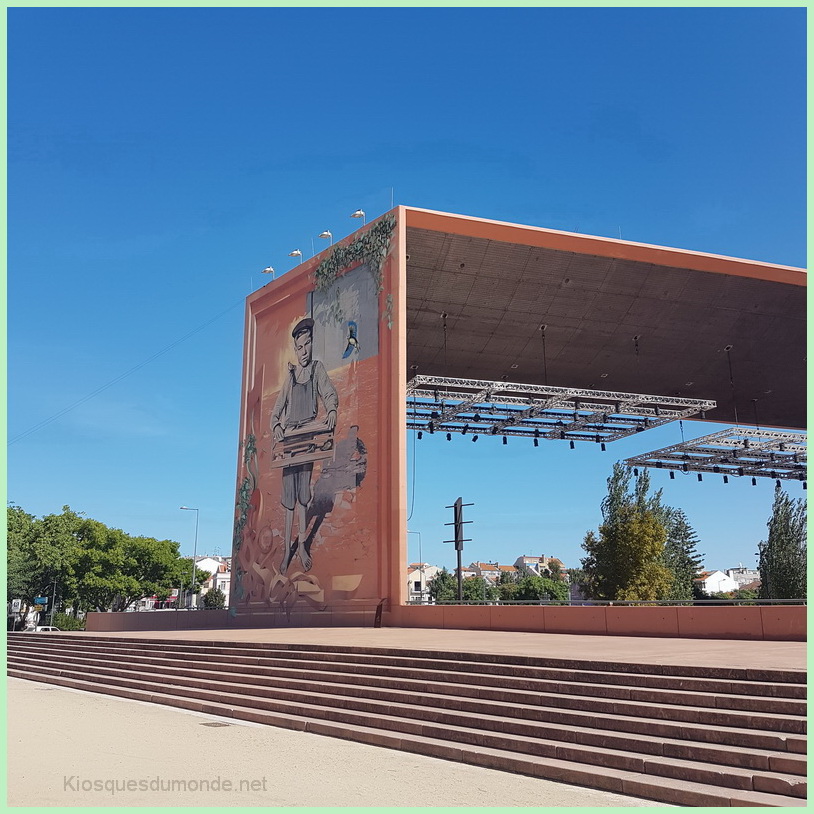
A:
(214, 599)
(66, 622)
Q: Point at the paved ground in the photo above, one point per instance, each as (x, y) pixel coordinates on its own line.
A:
(629, 649)
(62, 742)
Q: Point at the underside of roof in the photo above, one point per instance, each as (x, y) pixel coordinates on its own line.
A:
(617, 323)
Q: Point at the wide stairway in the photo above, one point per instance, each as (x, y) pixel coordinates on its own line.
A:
(694, 736)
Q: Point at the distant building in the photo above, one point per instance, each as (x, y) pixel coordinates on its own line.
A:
(220, 574)
(419, 575)
(538, 566)
(743, 575)
(490, 571)
(713, 582)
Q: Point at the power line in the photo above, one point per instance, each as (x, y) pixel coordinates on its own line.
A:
(121, 376)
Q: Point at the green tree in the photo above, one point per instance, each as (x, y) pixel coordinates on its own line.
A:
(443, 586)
(782, 557)
(625, 560)
(554, 571)
(477, 589)
(22, 571)
(53, 552)
(681, 556)
(214, 599)
(155, 567)
(508, 586)
(88, 565)
(532, 587)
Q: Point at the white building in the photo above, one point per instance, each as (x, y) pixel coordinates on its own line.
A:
(713, 582)
(220, 574)
(419, 574)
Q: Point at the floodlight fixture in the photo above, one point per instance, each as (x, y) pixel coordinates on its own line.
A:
(326, 235)
(737, 451)
(268, 270)
(359, 213)
(295, 253)
(541, 411)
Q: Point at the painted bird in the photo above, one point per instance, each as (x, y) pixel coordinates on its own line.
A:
(353, 342)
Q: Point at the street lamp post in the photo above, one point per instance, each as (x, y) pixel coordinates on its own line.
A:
(194, 554)
(421, 564)
(53, 602)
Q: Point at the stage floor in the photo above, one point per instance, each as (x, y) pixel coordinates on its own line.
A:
(625, 649)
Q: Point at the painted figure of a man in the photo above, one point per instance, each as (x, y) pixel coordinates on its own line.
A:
(305, 387)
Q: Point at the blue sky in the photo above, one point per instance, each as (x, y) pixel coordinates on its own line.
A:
(160, 158)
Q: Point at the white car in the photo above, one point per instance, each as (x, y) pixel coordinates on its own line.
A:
(41, 629)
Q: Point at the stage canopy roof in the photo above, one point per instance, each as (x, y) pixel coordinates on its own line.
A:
(618, 316)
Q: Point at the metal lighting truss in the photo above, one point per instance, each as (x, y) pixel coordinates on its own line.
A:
(538, 411)
(738, 451)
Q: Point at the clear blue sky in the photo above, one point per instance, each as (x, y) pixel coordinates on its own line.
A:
(160, 158)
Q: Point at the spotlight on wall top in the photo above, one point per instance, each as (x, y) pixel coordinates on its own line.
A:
(359, 213)
(268, 270)
(327, 236)
(295, 253)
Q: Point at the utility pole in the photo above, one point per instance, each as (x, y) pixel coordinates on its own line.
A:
(458, 522)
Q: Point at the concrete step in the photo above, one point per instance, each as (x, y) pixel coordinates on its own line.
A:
(533, 691)
(560, 703)
(489, 730)
(637, 783)
(189, 675)
(486, 662)
(720, 695)
(455, 697)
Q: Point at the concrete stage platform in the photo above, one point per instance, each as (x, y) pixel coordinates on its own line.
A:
(625, 649)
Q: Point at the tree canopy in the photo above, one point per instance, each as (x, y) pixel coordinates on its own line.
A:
(782, 556)
(681, 556)
(626, 559)
(86, 564)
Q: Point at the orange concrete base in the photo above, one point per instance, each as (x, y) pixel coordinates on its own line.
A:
(768, 623)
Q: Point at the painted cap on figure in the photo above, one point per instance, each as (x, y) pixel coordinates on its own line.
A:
(303, 325)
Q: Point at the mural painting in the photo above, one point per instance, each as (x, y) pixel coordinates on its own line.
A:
(306, 520)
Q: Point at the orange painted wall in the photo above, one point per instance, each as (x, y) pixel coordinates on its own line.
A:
(770, 623)
(353, 539)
